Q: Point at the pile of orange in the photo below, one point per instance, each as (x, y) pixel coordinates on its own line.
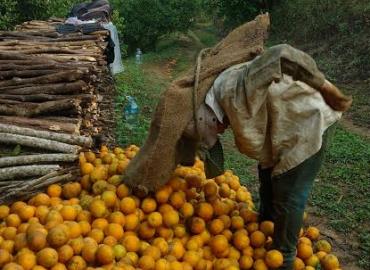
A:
(190, 223)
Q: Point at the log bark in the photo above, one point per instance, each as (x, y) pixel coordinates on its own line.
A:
(30, 188)
(92, 66)
(57, 124)
(57, 88)
(33, 142)
(54, 66)
(29, 34)
(26, 171)
(37, 48)
(36, 182)
(14, 56)
(10, 102)
(32, 109)
(63, 76)
(24, 73)
(27, 61)
(34, 159)
(45, 97)
(48, 50)
(27, 43)
(75, 38)
(10, 183)
(60, 137)
(57, 179)
(68, 58)
(62, 119)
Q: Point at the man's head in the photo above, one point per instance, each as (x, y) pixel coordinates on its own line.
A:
(207, 127)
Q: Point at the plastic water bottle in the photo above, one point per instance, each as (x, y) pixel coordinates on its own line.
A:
(139, 56)
(131, 111)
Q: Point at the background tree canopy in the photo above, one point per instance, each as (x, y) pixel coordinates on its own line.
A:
(147, 20)
(344, 26)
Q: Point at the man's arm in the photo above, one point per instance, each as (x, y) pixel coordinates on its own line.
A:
(285, 59)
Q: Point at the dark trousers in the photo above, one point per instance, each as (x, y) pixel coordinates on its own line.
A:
(283, 199)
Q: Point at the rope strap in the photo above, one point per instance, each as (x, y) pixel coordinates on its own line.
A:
(195, 90)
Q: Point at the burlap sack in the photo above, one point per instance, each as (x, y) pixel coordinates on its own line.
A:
(156, 160)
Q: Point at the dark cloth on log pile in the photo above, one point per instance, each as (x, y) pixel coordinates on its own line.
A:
(98, 9)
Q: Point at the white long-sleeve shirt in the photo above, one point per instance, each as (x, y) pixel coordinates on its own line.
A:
(280, 125)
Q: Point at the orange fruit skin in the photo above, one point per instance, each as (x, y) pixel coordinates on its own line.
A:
(104, 254)
(76, 263)
(330, 262)
(205, 211)
(323, 245)
(312, 233)
(197, 225)
(57, 236)
(27, 260)
(189, 223)
(219, 244)
(304, 251)
(5, 257)
(47, 257)
(274, 259)
(146, 262)
(257, 239)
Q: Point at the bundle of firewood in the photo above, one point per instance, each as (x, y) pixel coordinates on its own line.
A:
(56, 93)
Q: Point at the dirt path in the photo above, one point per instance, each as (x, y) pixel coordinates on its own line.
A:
(344, 247)
(349, 125)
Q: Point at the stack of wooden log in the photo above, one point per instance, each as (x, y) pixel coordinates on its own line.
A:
(56, 94)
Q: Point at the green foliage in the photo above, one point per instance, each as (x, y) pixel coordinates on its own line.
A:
(119, 22)
(173, 56)
(8, 14)
(320, 18)
(13, 12)
(136, 83)
(229, 14)
(338, 30)
(60, 8)
(148, 20)
(33, 9)
(41, 9)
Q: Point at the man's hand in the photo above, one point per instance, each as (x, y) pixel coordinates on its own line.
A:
(334, 98)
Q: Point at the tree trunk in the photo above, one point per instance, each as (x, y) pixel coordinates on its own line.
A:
(33, 142)
(32, 109)
(26, 189)
(45, 97)
(58, 88)
(29, 34)
(55, 66)
(26, 171)
(33, 159)
(24, 73)
(57, 179)
(72, 126)
(63, 76)
(60, 137)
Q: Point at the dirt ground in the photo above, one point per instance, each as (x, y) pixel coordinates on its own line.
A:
(343, 247)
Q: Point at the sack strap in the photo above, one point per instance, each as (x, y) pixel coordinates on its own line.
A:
(195, 90)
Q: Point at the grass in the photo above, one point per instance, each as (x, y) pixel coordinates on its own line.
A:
(341, 193)
(135, 82)
(174, 54)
